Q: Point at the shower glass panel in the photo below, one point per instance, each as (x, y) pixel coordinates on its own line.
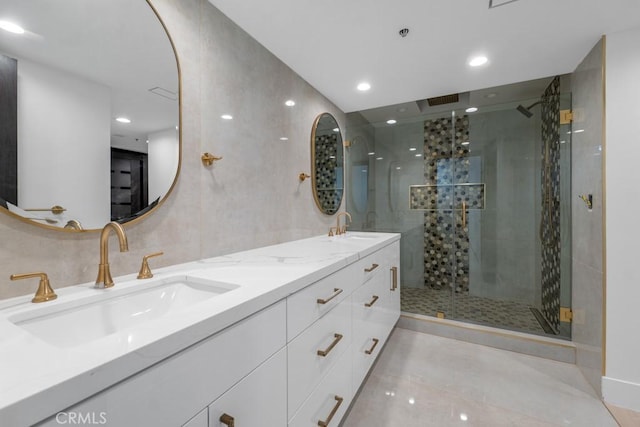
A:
(482, 200)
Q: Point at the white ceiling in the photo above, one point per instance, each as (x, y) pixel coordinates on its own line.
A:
(120, 44)
(335, 44)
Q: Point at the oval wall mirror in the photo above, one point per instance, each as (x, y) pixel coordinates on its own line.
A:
(89, 112)
(327, 166)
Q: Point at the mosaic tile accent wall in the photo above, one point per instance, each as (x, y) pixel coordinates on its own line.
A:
(326, 166)
(550, 225)
(446, 259)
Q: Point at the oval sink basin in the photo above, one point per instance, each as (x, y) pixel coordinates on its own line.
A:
(116, 309)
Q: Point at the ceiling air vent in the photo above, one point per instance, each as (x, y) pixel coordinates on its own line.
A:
(441, 100)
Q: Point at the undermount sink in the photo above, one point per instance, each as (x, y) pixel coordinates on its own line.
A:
(117, 309)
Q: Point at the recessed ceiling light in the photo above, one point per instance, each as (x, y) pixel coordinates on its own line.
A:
(11, 27)
(398, 168)
(471, 110)
(284, 138)
(336, 129)
(392, 122)
(412, 149)
(478, 61)
(226, 117)
(290, 103)
(364, 86)
(371, 153)
(379, 158)
(122, 120)
(418, 155)
(466, 143)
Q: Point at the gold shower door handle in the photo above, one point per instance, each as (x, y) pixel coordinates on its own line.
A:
(464, 214)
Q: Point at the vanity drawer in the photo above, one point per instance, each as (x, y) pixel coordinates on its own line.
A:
(374, 263)
(309, 304)
(313, 353)
(373, 320)
(171, 392)
(330, 399)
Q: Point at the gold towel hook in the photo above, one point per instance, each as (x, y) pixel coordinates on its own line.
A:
(208, 159)
(303, 176)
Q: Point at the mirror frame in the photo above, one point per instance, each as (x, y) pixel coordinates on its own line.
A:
(313, 163)
(178, 169)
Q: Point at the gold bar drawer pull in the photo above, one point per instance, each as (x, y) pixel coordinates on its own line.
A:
(373, 347)
(227, 420)
(373, 301)
(394, 278)
(326, 422)
(370, 269)
(336, 292)
(337, 338)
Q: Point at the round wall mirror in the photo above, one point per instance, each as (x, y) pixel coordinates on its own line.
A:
(89, 112)
(327, 166)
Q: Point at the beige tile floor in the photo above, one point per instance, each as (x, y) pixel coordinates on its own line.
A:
(425, 380)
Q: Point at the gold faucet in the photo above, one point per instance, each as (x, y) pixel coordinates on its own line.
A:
(145, 270)
(104, 274)
(342, 230)
(44, 292)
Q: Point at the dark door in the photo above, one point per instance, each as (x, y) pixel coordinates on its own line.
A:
(129, 188)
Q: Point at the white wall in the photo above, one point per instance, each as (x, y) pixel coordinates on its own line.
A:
(164, 153)
(62, 119)
(621, 384)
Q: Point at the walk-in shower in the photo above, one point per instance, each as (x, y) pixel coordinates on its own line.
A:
(481, 198)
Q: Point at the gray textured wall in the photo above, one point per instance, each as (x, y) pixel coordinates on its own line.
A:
(249, 199)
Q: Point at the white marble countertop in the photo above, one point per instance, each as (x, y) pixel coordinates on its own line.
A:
(39, 379)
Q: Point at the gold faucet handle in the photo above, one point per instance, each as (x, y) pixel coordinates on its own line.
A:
(44, 292)
(145, 271)
(331, 231)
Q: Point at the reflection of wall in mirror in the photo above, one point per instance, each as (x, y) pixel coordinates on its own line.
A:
(63, 143)
(164, 154)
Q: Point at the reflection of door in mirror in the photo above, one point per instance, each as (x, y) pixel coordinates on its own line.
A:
(129, 184)
(8, 129)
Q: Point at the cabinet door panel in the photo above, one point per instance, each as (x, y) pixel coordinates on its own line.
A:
(258, 400)
(323, 400)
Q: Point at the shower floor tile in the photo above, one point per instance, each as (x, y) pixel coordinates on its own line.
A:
(484, 311)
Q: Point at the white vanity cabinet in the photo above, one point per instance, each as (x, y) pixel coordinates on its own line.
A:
(175, 390)
(298, 360)
(348, 317)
